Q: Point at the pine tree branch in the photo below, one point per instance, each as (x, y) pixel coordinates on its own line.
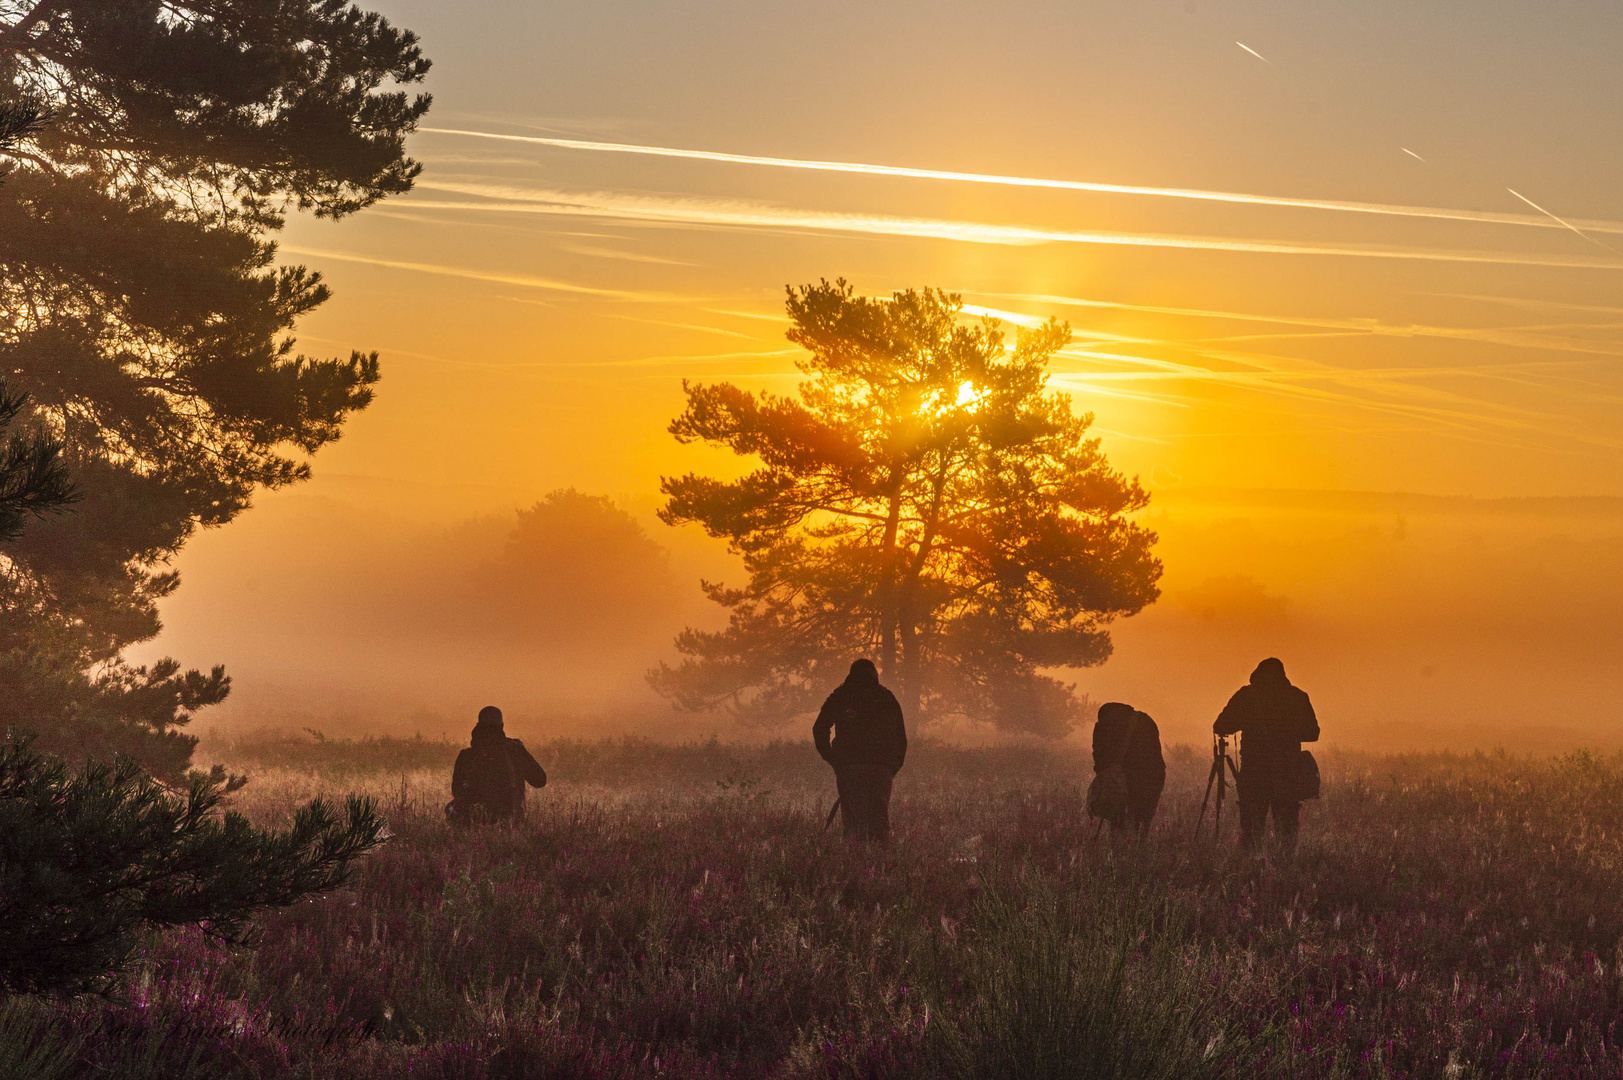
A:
(12, 37)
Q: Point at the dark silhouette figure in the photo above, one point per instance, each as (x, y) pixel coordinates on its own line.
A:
(1275, 718)
(867, 750)
(1128, 739)
(488, 781)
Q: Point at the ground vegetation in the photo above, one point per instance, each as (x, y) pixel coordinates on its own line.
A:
(1449, 916)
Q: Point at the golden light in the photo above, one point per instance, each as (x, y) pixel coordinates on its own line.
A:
(967, 394)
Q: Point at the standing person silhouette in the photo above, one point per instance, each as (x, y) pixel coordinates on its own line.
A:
(488, 781)
(1275, 718)
(867, 750)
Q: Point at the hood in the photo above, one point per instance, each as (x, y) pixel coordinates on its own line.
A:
(489, 727)
(863, 673)
(1112, 709)
(1270, 673)
(487, 735)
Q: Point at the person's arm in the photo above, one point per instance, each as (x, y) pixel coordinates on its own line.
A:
(1233, 717)
(1310, 720)
(459, 776)
(524, 763)
(899, 727)
(825, 720)
(1152, 753)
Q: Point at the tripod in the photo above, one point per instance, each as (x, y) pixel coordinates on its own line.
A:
(1218, 776)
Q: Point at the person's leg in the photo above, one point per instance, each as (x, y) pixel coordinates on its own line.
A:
(1287, 821)
(881, 804)
(850, 811)
(1254, 795)
(1142, 802)
(860, 804)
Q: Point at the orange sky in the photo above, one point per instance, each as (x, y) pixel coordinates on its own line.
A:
(538, 305)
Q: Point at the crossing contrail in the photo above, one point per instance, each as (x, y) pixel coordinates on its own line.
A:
(1561, 221)
(1389, 209)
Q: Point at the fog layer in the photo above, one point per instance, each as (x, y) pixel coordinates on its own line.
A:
(1413, 621)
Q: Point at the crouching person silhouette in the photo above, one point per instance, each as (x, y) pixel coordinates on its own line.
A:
(488, 781)
(1274, 719)
(868, 747)
(1129, 772)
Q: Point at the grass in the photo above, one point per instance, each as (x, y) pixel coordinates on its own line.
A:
(679, 912)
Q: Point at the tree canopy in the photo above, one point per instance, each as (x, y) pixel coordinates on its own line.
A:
(144, 316)
(926, 498)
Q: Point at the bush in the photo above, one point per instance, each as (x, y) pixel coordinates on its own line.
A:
(89, 861)
(1106, 986)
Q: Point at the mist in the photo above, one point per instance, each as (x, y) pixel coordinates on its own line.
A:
(1416, 622)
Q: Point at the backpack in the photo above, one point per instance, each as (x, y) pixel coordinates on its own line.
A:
(1305, 779)
(490, 781)
(1107, 794)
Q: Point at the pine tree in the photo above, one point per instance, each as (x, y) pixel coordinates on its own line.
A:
(144, 316)
(926, 499)
(91, 861)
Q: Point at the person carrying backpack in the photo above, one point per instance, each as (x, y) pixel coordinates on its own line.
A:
(1276, 774)
(1129, 771)
(488, 781)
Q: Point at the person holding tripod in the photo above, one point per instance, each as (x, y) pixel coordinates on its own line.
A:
(1275, 718)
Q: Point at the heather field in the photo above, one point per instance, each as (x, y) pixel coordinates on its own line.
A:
(679, 912)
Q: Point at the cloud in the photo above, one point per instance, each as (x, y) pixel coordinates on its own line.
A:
(526, 280)
(688, 211)
(1388, 209)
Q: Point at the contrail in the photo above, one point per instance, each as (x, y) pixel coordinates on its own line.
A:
(525, 280)
(1561, 221)
(1414, 155)
(727, 214)
(1390, 209)
(1511, 337)
(1255, 53)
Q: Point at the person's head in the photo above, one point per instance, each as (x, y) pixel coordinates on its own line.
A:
(489, 725)
(1269, 673)
(1111, 710)
(863, 672)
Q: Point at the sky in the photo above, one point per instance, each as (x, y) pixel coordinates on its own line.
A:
(1309, 252)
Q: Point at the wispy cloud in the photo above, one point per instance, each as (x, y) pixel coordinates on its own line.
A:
(652, 209)
(625, 256)
(1510, 337)
(1345, 206)
(526, 280)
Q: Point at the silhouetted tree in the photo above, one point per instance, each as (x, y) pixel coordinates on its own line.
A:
(90, 861)
(33, 482)
(577, 574)
(927, 498)
(143, 315)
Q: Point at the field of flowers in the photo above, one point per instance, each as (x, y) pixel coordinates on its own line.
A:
(680, 912)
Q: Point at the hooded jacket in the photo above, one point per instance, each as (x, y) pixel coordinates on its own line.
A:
(1275, 716)
(866, 721)
(1130, 738)
(492, 772)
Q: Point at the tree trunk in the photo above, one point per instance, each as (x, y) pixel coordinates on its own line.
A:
(888, 613)
(912, 689)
